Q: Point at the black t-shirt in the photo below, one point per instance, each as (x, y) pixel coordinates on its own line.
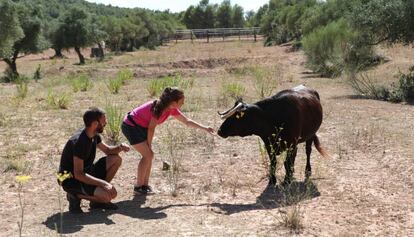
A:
(79, 145)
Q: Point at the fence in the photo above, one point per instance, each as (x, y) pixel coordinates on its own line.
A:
(216, 33)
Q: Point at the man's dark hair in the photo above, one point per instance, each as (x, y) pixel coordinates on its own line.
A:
(91, 115)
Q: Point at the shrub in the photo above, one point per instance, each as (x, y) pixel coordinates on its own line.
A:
(9, 76)
(22, 87)
(365, 86)
(114, 85)
(334, 47)
(81, 83)
(405, 86)
(233, 90)
(264, 81)
(114, 116)
(157, 86)
(60, 101)
(125, 75)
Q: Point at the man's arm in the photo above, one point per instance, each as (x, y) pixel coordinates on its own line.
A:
(112, 150)
(80, 175)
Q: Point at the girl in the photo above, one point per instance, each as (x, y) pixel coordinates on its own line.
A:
(139, 126)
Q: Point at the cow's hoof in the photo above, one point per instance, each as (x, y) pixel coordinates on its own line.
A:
(287, 181)
(308, 174)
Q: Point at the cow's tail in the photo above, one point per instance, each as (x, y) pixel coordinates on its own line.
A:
(318, 147)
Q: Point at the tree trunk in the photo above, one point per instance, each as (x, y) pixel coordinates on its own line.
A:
(102, 52)
(81, 58)
(12, 63)
(58, 54)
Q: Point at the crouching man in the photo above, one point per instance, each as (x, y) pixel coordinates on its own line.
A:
(84, 179)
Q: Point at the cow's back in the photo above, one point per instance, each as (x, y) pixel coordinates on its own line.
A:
(298, 111)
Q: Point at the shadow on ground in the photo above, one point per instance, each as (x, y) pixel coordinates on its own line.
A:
(72, 223)
(274, 197)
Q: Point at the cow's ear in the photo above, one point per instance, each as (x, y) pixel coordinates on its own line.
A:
(239, 100)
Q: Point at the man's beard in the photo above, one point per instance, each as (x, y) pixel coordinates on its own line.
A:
(100, 129)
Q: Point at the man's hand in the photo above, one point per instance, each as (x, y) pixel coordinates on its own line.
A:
(210, 130)
(124, 147)
(110, 189)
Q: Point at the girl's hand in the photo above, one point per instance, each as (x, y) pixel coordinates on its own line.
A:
(210, 130)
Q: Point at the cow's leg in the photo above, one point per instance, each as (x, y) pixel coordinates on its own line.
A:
(308, 170)
(290, 164)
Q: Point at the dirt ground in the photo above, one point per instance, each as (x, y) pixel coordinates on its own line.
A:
(365, 189)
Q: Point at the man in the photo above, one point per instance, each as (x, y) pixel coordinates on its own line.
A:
(84, 179)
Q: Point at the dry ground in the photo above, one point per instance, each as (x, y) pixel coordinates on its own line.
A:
(366, 189)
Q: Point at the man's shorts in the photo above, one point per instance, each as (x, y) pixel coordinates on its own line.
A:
(74, 186)
(135, 134)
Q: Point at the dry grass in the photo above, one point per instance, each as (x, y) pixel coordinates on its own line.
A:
(217, 184)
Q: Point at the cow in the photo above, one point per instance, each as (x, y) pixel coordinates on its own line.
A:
(282, 122)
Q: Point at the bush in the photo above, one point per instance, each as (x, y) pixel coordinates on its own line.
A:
(60, 101)
(9, 76)
(335, 47)
(157, 86)
(114, 85)
(81, 83)
(113, 128)
(22, 86)
(233, 90)
(404, 89)
(125, 75)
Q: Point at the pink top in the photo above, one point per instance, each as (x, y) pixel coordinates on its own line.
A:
(142, 115)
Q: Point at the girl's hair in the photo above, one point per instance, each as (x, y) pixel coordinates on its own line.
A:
(170, 94)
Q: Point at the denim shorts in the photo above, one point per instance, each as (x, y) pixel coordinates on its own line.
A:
(134, 134)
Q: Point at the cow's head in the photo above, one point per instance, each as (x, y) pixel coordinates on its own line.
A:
(241, 120)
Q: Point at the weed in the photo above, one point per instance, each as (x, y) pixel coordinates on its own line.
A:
(81, 83)
(114, 116)
(114, 85)
(22, 89)
(156, 86)
(125, 75)
(292, 219)
(21, 180)
(60, 101)
(264, 81)
(233, 90)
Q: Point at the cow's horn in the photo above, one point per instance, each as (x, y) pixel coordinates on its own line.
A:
(231, 111)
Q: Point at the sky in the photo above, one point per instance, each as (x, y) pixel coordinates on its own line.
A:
(178, 5)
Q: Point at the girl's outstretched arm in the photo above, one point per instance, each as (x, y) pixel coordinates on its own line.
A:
(191, 123)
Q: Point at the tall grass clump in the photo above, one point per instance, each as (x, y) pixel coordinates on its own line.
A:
(264, 81)
(125, 75)
(114, 85)
(173, 149)
(114, 116)
(22, 87)
(81, 83)
(58, 101)
(233, 90)
(332, 48)
(156, 86)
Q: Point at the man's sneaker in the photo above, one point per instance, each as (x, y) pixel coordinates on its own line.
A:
(74, 203)
(105, 206)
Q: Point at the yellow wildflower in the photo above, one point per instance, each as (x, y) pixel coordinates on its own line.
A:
(23, 178)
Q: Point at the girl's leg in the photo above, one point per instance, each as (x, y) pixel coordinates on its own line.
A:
(144, 165)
